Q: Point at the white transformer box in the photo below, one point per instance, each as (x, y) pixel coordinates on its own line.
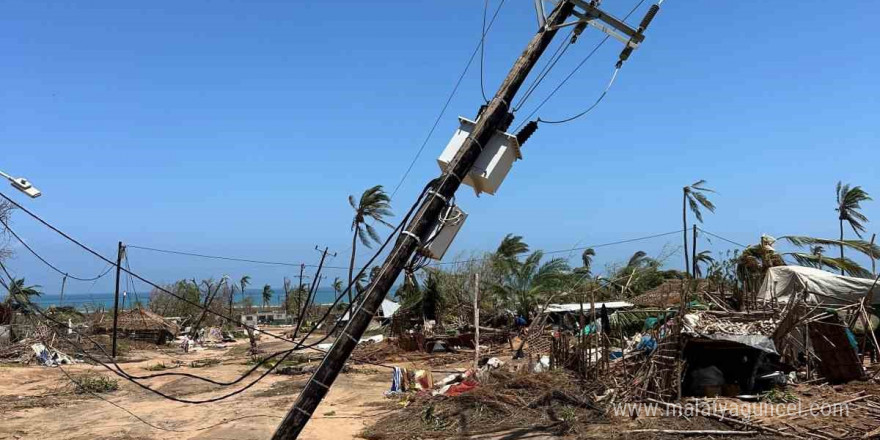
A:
(445, 230)
(494, 162)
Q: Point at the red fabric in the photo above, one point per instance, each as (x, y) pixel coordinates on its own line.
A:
(461, 388)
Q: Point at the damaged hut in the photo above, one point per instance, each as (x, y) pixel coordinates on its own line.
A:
(138, 324)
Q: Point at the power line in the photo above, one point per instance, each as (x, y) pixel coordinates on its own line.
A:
(218, 257)
(563, 47)
(483, 50)
(150, 283)
(47, 263)
(121, 373)
(721, 238)
(576, 68)
(559, 251)
(446, 104)
(196, 304)
(591, 107)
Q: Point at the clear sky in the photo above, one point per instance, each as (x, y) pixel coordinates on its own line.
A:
(240, 128)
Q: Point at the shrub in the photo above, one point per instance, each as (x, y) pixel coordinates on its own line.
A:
(95, 383)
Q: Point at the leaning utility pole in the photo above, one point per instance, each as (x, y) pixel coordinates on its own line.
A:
(317, 280)
(119, 253)
(495, 117)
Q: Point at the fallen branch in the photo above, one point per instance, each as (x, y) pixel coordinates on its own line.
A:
(686, 432)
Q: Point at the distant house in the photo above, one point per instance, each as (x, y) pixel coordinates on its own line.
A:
(266, 317)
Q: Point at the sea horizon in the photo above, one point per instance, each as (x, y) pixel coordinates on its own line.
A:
(93, 301)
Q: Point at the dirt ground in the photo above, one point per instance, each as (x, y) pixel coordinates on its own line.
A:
(39, 402)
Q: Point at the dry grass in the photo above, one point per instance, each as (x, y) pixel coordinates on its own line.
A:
(504, 401)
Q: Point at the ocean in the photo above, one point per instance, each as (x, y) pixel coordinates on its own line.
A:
(94, 301)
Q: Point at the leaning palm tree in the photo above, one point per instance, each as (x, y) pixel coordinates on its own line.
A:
(267, 295)
(849, 201)
(705, 258)
(695, 197)
(817, 258)
(20, 293)
(511, 247)
(243, 282)
(337, 286)
(374, 204)
(587, 260)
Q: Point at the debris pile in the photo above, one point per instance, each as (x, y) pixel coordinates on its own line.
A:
(502, 401)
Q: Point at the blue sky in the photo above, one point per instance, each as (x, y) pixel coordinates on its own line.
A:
(240, 128)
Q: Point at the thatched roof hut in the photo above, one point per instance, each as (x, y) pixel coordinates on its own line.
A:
(138, 324)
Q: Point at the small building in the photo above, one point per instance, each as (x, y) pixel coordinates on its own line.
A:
(266, 317)
(138, 324)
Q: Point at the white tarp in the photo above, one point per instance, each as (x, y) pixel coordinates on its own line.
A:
(821, 287)
(576, 307)
(388, 309)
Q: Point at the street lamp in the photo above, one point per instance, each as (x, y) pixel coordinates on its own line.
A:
(22, 184)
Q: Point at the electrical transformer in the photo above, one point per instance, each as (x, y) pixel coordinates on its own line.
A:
(494, 162)
(445, 230)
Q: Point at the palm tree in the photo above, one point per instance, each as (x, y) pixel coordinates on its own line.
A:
(232, 288)
(703, 257)
(585, 271)
(337, 286)
(19, 292)
(694, 196)
(816, 257)
(849, 201)
(374, 204)
(511, 247)
(243, 282)
(267, 295)
(587, 259)
(528, 281)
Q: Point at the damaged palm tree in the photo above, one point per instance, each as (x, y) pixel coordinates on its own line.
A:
(694, 196)
(849, 201)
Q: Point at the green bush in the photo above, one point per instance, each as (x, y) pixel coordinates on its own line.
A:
(95, 383)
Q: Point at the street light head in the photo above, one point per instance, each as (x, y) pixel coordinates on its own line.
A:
(24, 186)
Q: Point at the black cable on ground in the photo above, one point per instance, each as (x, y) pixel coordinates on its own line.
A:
(286, 354)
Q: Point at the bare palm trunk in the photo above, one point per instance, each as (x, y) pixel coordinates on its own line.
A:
(685, 231)
(694, 253)
(351, 266)
(841, 246)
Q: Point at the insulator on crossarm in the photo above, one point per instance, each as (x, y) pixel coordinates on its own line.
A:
(527, 132)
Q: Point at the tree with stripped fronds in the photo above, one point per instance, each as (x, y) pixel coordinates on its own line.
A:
(694, 196)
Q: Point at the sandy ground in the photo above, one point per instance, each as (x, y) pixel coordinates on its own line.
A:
(38, 402)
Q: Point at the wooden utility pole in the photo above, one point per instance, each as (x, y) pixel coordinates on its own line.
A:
(495, 117)
(316, 281)
(476, 319)
(120, 251)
